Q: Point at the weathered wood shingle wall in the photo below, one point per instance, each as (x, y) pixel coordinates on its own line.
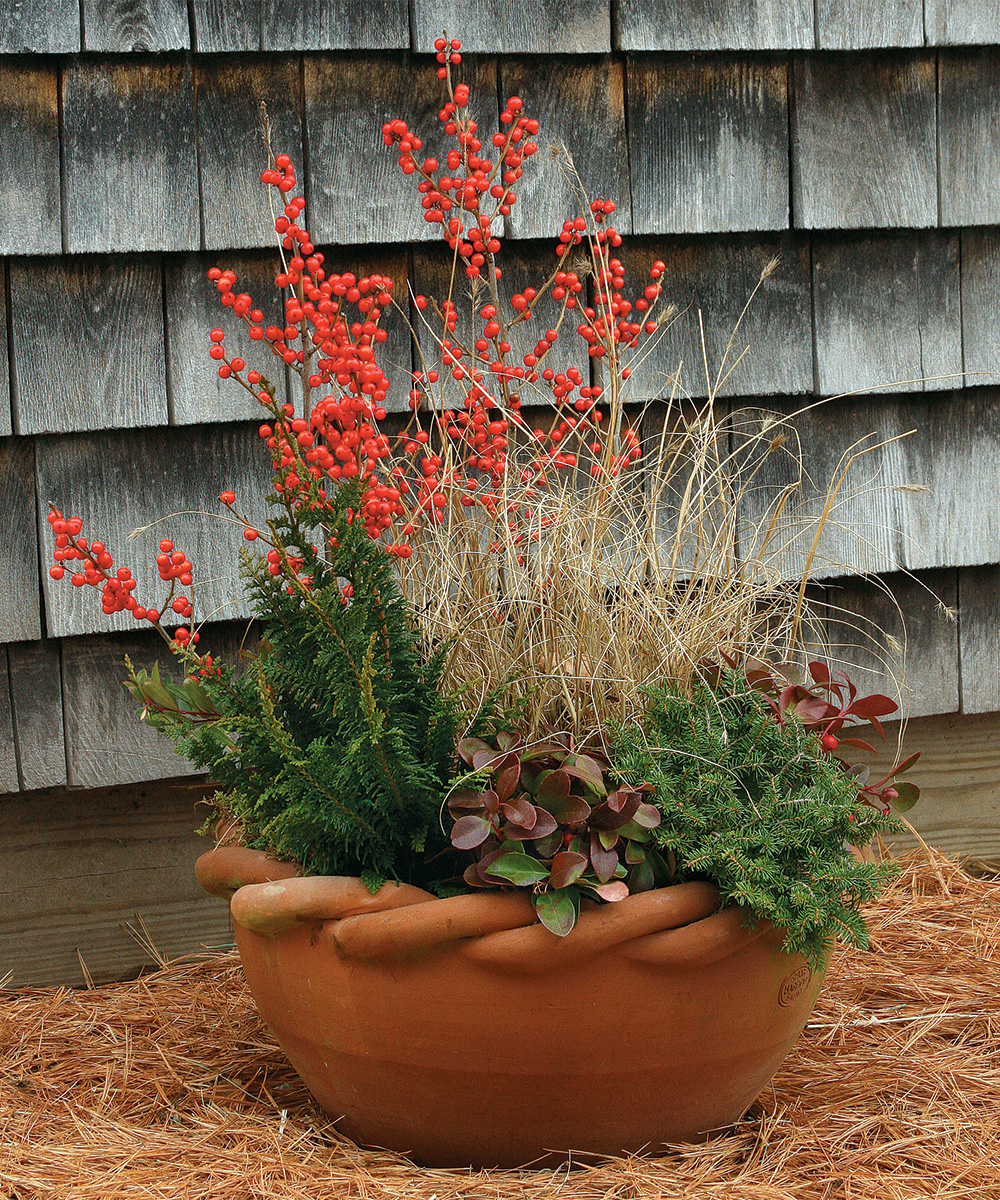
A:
(858, 141)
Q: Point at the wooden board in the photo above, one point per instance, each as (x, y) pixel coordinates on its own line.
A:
(968, 112)
(708, 144)
(96, 326)
(866, 23)
(218, 25)
(118, 482)
(981, 305)
(197, 394)
(36, 694)
(30, 220)
(715, 25)
(718, 276)
(334, 25)
(852, 116)
(135, 26)
(39, 27)
(580, 105)
(961, 22)
(6, 415)
(959, 779)
(498, 26)
(80, 864)
(356, 191)
(8, 749)
(887, 312)
(19, 593)
(129, 157)
(237, 209)
(979, 638)
(894, 635)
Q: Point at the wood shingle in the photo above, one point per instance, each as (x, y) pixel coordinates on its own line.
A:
(508, 27)
(36, 694)
(968, 113)
(39, 27)
(30, 190)
(334, 25)
(135, 26)
(711, 25)
(19, 607)
(868, 23)
(979, 638)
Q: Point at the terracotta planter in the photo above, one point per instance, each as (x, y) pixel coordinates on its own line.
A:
(462, 1032)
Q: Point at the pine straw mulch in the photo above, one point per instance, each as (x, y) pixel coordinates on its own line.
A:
(169, 1086)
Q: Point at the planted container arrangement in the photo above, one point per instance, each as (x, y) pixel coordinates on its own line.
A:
(536, 839)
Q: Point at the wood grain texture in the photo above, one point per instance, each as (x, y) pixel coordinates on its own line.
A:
(580, 106)
(869, 23)
(39, 27)
(130, 163)
(715, 25)
(962, 22)
(19, 596)
(219, 25)
(864, 152)
(182, 472)
(968, 114)
(334, 25)
(717, 276)
(981, 305)
(36, 693)
(8, 752)
(979, 637)
(959, 779)
(887, 311)
(510, 27)
(237, 209)
(30, 221)
(6, 415)
(898, 634)
(80, 864)
(87, 341)
(357, 192)
(708, 144)
(197, 394)
(135, 26)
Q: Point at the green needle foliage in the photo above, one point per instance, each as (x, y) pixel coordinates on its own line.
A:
(759, 809)
(335, 745)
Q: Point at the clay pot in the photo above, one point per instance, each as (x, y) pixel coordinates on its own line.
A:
(463, 1033)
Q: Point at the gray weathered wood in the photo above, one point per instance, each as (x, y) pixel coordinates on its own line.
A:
(8, 748)
(864, 152)
(509, 27)
(968, 115)
(30, 221)
(708, 144)
(130, 163)
(981, 305)
(580, 105)
(899, 635)
(120, 482)
(135, 26)
(979, 638)
(715, 25)
(218, 25)
(36, 691)
(19, 594)
(5, 407)
(197, 394)
(357, 192)
(887, 311)
(962, 22)
(334, 25)
(237, 209)
(87, 344)
(865, 23)
(717, 276)
(39, 27)
(76, 867)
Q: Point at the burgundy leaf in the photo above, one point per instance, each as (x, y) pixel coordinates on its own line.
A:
(857, 743)
(467, 747)
(486, 758)
(473, 878)
(553, 788)
(820, 672)
(470, 832)
(571, 811)
(545, 823)
(582, 767)
(520, 811)
(608, 838)
(873, 706)
(567, 868)
(467, 800)
(646, 816)
(546, 846)
(604, 860)
(508, 781)
(617, 890)
(492, 802)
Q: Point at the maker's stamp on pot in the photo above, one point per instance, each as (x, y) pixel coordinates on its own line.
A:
(792, 986)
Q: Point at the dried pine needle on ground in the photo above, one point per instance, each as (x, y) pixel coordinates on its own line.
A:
(170, 1086)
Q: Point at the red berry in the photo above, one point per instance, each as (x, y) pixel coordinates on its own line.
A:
(228, 497)
(828, 741)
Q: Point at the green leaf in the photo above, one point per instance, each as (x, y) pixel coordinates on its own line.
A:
(558, 910)
(156, 693)
(907, 795)
(519, 869)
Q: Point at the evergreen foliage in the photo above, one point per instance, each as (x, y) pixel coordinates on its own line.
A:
(335, 745)
(758, 808)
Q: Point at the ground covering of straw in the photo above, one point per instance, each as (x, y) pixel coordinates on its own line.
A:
(170, 1086)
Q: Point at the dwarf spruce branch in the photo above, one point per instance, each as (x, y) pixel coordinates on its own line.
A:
(759, 809)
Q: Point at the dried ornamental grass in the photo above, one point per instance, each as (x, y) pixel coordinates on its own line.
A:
(170, 1086)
